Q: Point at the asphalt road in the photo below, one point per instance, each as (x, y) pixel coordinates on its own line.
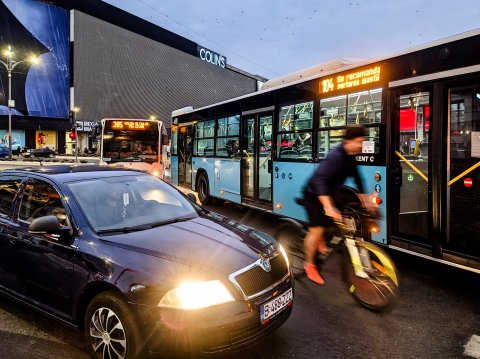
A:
(437, 315)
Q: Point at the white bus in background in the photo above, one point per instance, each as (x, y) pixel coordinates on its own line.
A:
(133, 143)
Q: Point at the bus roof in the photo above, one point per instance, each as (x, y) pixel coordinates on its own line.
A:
(335, 66)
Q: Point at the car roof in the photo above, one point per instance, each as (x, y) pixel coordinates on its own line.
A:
(66, 173)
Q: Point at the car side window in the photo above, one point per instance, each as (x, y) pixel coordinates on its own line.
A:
(8, 189)
(41, 199)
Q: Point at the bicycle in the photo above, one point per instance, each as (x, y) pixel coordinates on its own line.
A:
(369, 273)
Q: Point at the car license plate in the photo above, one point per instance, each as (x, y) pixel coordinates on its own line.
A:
(272, 307)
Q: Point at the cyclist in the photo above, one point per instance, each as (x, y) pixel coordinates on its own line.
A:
(320, 191)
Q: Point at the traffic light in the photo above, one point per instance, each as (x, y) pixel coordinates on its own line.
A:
(72, 134)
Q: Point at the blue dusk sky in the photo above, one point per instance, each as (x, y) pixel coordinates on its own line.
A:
(276, 37)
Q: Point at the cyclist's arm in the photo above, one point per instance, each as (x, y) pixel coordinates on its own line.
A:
(329, 207)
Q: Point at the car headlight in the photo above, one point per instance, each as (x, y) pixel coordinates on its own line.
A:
(196, 295)
(282, 250)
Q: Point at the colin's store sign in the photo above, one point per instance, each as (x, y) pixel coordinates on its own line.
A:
(212, 57)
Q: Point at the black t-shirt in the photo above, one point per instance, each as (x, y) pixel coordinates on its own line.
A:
(332, 173)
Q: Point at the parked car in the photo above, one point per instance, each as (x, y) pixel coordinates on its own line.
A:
(3, 151)
(137, 265)
(40, 152)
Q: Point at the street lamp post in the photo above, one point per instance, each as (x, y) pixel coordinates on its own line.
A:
(10, 64)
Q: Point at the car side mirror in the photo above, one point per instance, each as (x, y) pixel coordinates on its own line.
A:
(50, 225)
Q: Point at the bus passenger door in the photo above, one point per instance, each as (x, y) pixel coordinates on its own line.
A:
(463, 169)
(256, 162)
(185, 147)
(409, 171)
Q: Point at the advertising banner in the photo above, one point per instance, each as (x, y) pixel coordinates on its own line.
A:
(35, 28)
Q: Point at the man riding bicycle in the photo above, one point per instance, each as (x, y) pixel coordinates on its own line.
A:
(320, 191)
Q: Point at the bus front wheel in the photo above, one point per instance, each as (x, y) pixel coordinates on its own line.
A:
(203, 189)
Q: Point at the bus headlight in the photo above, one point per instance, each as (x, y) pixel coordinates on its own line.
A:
(196, 295)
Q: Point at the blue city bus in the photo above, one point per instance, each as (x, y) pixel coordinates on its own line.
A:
(420, 160)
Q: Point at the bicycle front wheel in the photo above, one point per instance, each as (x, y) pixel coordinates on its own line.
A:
(376, 287)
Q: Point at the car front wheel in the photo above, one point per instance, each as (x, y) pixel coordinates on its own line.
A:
(111, 329)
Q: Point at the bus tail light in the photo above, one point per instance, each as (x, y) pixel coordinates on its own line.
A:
(374, 228)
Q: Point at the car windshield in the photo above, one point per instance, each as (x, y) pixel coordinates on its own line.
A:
(129, 203)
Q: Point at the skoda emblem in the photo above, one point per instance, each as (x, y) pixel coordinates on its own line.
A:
(265, 264)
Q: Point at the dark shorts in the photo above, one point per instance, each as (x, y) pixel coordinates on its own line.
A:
(316, 214)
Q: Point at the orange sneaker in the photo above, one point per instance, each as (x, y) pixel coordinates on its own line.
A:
(312, 273)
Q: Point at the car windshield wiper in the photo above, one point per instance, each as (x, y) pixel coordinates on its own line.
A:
(124, 229)
(170, 221)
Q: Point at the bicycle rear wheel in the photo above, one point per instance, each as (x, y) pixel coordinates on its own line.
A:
(379, 290)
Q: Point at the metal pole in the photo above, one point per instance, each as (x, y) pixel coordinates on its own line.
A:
(76, 138)
(9, 70)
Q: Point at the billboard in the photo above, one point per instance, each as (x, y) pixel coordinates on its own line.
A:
(32, 27)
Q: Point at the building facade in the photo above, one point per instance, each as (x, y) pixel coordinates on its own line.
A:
(105, 62)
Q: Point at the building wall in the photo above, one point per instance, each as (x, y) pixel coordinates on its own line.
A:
(118, 73)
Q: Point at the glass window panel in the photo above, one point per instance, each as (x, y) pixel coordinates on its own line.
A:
(328, 140)
(209, 129)
(373, 135)
(233, 125)
(203, 147)
(265, 137)
(286, 117)
(199, 130)
(8, 190)
(222, 126)
(228, 147)
(41, 199)
(365, 107)
(414, 123)
(304, 116)
(294, 145)
(205, 129)
(174, 140)
(333, 111)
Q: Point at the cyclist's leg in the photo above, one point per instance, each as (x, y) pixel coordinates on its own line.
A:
(314, 241)
(310, 246)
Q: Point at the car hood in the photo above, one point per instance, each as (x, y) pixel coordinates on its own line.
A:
(211, 242)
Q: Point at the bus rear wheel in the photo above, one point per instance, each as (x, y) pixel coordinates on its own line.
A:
(203, 189)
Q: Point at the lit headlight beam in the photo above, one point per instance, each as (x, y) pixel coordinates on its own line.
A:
(196, 295)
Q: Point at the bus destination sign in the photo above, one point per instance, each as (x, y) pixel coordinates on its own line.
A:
(351, 80)
(128, 125)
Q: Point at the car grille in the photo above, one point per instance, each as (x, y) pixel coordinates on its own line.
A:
(255, 280)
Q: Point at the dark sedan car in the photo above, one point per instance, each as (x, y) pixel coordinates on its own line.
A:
(40, 152)
(137, 265)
